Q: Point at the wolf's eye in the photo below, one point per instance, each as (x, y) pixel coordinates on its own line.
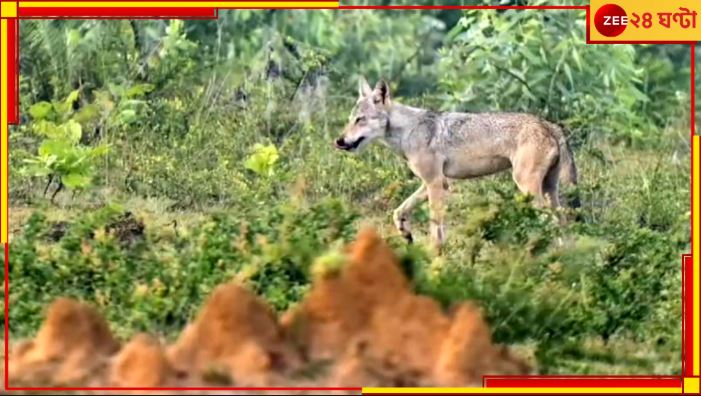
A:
(359, 119)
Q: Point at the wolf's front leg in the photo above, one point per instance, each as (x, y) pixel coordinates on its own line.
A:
(436, 197)
(402, 214)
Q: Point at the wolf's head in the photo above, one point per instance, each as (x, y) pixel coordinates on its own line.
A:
(369, 118)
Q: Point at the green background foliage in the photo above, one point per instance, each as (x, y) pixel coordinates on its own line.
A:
(200, 151)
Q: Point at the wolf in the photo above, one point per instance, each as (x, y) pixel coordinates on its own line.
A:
(444, 146)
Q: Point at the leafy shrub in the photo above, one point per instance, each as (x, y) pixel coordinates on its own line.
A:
(539, 62)
(262, 159)
(596, 285)
(159, 282)
(61, 157)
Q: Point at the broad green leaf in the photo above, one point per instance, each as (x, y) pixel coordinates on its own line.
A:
(36, 167)
(40, 171)
(127, 116)
(100, 150)
(72, 97)
(54, 147)
(46, 128)
(117, 90)
(41, 110)
(50, 162)
(262, 159)
(63, 109)
(87, 113)
(76, 180)
(139, 90)
(74, 131)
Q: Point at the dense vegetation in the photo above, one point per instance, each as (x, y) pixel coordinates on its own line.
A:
(156, 159)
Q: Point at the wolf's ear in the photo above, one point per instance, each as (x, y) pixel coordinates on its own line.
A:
(381, 93)
(363, 87)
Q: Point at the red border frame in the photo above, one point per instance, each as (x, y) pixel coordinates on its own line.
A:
(118, 13)
(212, 13)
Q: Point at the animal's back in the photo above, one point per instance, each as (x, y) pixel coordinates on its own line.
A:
(479, 144)
(496, 133)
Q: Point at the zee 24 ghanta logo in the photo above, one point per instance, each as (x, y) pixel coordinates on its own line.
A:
(611, 19)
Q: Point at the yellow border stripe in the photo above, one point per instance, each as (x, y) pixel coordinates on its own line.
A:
(3, 129)
(189, 4)
(520, 390)
(695, 253)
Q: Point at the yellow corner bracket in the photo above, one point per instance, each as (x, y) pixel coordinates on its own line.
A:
(8, 9)
(3, 118)
(691, 385)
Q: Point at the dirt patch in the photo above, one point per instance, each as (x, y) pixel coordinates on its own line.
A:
(126, 229)
(57, 230)
(359, 326)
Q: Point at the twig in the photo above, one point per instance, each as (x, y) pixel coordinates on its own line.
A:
(299, 85)
(518, 78)
(395, 76)
(48, 184)
(552, 80)
(60, 187)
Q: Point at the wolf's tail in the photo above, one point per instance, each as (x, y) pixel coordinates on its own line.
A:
(568, 169)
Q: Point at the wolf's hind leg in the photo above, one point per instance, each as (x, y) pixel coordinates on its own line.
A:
(552, 194)
(551, 186)
(530, 168)
(403, 212)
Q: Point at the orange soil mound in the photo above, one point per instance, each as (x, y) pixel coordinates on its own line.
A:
(141, 363)
(71, 345)
(368, 321)
(237, 332)
(363, 324)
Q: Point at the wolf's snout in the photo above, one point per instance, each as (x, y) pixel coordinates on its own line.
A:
(341, 144)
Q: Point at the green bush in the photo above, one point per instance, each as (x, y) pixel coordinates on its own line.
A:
(596, 285)
(539, 62)
(155, 280)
